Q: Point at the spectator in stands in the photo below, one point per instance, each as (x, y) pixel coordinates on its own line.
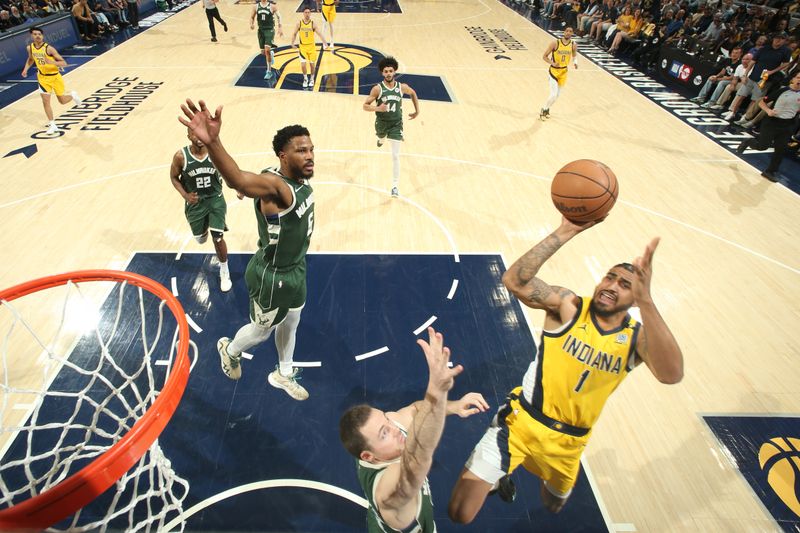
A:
(5, 20)
(600, 27)
(760, 43)
(714, 30)
(744, 38)
(629, 35)
(702, 19)
(646, 54)
(728, 10)
(118, 8)
(593, 12)
(16, 17)
(671, 5)
(768, 61)
(133, 13)
(623, 22)
(782, 107)
(717, 102)
(87, 27)
(30, 12)
(779, 22)
(676, 24)
(100, 16)
(727, 66)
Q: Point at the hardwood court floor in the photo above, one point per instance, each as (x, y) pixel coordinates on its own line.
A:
(475, 177)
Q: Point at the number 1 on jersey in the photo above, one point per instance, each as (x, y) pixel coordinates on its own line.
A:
(582, 380)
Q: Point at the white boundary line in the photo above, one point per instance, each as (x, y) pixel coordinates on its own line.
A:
(266, 484)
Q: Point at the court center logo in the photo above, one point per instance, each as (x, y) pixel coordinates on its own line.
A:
(345, 69)
(766, 450)
(345, 61)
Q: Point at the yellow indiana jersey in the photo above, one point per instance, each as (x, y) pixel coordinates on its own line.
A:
(306, 32)
(578, 367)
(39, 56)
(562, 54)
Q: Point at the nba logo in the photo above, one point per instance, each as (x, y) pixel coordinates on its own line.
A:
(675, 69)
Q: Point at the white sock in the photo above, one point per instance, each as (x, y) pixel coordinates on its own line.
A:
(395, 163)
(248, 336)
(554, 91)
(285, 340)
(223, 267)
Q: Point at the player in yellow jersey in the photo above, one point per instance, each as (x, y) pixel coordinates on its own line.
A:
(47, 61)
(308, 45)
(588, 346)
(558, 56)
(328, 9)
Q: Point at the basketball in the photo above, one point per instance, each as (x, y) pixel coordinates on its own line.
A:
(584, 190)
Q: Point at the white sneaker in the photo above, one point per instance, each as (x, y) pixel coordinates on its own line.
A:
(225, 281)
(728, 115)
(305, 82)
(311, 81)
(231, 365)
(742, 121)
(395, 192)
(75, 97)
(52, 128)
(288, 383)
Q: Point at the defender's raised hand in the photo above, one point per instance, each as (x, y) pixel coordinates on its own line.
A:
(205, 126)
(441, 377)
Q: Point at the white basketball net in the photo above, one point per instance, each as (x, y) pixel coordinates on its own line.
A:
(79, 397)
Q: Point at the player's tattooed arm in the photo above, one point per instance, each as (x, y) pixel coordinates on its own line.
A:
(521, 280)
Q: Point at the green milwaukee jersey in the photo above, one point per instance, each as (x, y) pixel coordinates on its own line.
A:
(393, 98)
(368, 475)
(284, 237)
(200, 175)
(265, 16)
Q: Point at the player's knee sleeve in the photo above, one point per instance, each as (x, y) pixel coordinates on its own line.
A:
(201, 238)
(217, 235)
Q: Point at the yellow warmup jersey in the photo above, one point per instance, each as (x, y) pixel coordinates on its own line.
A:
(562, 54)
(39, 56)
(579, 366)
(306, 32)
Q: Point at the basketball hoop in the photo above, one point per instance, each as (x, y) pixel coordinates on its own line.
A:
(42, 486)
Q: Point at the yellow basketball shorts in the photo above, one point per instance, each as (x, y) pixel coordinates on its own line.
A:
(48, 84)
(308, 52)
(560, 75)
(514, 438)
(329, 13)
